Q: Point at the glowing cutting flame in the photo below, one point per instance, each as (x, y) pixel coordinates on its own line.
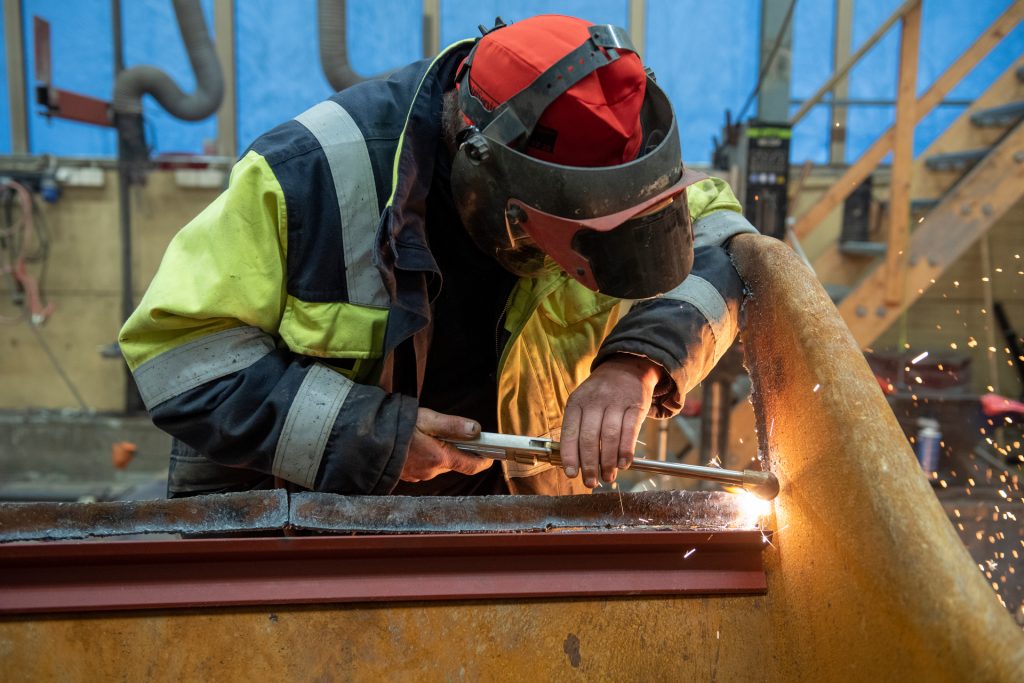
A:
(750, 509)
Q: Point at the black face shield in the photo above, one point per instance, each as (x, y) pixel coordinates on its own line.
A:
(623, 230)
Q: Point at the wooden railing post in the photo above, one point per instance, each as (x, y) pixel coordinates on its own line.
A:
(902, 157)
(850, 62)
(14, 46)
(224, 29)
(862, 168)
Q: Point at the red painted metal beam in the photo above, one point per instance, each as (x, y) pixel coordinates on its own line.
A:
(41, 35)
(124, 575)
(64, 104)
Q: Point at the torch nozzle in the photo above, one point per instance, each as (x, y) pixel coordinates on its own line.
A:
(764, 485)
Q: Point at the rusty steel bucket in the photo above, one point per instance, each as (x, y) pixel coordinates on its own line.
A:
(867, 579)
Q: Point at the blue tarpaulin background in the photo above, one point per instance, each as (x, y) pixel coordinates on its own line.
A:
(704, 53)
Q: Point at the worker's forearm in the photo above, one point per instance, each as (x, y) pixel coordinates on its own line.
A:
(688, 329)
(296, 419)
(685, 331)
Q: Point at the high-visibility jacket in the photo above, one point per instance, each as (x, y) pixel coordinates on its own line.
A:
(264, 342)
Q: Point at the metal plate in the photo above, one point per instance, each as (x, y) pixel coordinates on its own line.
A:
(226, 513)
(405, 514)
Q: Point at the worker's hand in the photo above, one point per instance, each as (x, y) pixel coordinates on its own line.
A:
(429, 457)
(603, 417)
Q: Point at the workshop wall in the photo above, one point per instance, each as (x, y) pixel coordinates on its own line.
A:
(83, 282)
(278, 73)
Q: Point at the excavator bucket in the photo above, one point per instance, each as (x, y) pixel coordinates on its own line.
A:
(866, 578)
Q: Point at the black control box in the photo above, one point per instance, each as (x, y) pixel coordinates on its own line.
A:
(765, 167)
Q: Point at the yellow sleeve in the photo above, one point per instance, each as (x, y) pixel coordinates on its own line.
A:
(224, 269)
(709, 195)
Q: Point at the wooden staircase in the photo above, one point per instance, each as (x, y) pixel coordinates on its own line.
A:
(951, 195)
(960, 186)
(965, 212)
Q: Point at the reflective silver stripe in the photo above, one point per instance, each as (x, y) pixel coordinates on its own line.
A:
(715, 228)
(308, 424)
(709, 301)
(345, 148)
(186, 367)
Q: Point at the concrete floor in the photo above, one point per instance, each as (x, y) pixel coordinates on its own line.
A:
(60, 455)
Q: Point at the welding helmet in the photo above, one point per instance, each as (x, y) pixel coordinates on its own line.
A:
(568, 167)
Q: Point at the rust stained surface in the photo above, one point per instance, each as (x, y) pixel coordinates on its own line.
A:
(331, 513)
(867, 579)
(871, 580)
(406, 514)
(616, 639)
(225, 513)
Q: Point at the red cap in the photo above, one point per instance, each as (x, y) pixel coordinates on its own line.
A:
(594, 123)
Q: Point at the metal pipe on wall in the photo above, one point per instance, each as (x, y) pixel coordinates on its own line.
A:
(137, 81)
(118, 37)
(330, 21)
(227, 122)
(637, 28)
(132, 398)
(431, 27)
(775, 58)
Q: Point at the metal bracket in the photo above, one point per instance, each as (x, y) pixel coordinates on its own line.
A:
(63, 104)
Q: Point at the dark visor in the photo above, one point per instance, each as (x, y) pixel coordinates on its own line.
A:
(640, 252)
(644, 257)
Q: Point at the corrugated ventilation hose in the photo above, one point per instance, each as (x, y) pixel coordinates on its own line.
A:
(330, 16)
(133, 83)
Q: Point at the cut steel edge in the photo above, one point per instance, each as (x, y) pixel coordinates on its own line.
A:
(681, 510)
(276, 510)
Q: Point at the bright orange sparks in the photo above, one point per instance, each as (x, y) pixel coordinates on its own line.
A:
(751, 509)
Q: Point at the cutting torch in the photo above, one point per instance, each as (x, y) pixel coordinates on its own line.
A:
(531, 450)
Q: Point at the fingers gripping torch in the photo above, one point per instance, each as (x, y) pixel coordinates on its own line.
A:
(530, 450)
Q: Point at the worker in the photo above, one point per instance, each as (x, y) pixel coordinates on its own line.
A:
(502, 238)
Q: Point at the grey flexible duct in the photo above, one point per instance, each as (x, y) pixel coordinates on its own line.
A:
(133, 83)
(330, 19)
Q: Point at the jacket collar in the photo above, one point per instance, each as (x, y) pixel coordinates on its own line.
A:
(404, 259)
